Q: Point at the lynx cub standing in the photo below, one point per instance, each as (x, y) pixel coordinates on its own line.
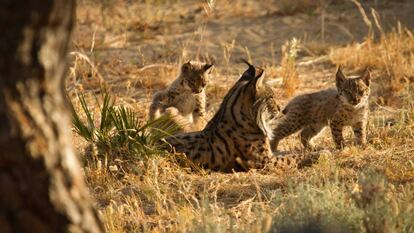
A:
(346, 105)
(185, 98)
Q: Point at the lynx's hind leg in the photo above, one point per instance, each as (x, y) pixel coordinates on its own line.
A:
(308, 133)
(289, 125)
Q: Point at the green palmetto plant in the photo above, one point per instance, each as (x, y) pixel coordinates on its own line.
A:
(119, 131)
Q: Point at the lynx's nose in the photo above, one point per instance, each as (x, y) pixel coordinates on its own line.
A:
(199, 90)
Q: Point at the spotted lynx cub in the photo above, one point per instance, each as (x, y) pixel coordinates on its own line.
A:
(185, 98)
(347, 105)
(237, 138)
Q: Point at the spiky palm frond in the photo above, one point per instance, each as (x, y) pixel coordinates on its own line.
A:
(84, 130)
(120, 131)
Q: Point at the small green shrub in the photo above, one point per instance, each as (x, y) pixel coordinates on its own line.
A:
(384, 209)
(307, 208)
(118, 132)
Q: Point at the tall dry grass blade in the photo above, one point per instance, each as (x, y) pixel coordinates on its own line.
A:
(375, 15)
(365, 18)
(91, 64)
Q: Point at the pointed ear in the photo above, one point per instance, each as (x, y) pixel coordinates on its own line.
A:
(249, 73)
(207, 66)
(366, 76)
(340, 77)
(186, 67)
(257, 81)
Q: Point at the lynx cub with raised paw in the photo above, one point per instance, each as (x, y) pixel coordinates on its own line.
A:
(347, 105)
(185, 98)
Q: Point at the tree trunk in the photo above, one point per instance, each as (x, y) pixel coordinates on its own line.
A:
(41, 183)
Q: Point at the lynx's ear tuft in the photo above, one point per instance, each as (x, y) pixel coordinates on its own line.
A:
(250, 72)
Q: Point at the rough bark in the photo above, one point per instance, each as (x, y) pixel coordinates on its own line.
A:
(41, 184)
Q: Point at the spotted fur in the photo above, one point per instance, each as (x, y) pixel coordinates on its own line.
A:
(237, 137)
(347, 105)
(185, 98)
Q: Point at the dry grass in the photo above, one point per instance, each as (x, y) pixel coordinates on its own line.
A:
(159, 196)
(392, 55)
(288, 67)
(355, 190)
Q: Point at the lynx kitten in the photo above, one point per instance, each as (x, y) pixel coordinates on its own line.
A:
(347, 105)
(185, 98)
